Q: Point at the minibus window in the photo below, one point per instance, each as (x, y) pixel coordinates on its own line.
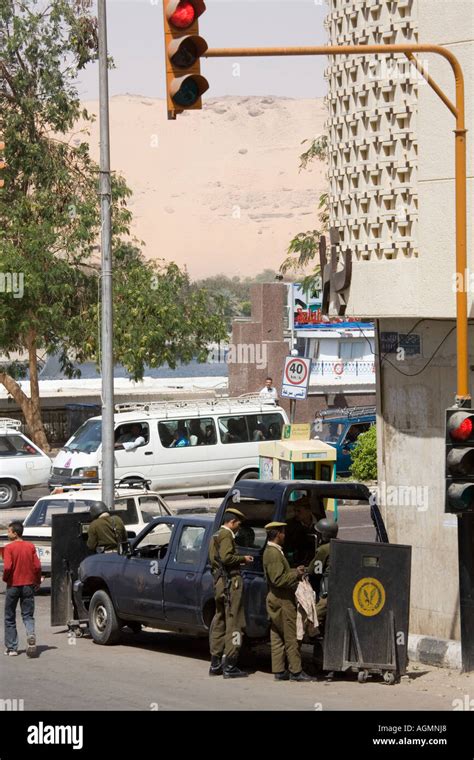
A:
(233, 429)
(195, 431)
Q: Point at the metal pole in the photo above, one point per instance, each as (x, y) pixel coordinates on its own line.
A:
(107, 358)
(292, 410)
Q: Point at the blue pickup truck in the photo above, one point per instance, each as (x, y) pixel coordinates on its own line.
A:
(163, 580)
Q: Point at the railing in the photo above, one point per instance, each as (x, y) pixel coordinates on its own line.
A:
(223, 403)
(365, 370)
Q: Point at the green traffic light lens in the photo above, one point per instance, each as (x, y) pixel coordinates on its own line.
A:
(461, 496)
(187, 94)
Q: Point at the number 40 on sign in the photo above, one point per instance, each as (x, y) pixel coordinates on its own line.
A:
(296, 377)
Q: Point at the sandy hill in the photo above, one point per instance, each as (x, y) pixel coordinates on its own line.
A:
(217, 190)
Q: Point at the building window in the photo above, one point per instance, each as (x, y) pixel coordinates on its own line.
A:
(349, 350)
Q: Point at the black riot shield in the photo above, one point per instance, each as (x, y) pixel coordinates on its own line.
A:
(368, 608)
(69, 548)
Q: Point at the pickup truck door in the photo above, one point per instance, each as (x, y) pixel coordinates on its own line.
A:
(139, 587)
(183, 574)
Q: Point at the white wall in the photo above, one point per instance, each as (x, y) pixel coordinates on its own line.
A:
(396, 274)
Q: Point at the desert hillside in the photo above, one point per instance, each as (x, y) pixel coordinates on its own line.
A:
(217, 190)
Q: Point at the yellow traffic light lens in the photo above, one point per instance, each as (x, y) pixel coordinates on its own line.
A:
(187, 94)
(186, 55)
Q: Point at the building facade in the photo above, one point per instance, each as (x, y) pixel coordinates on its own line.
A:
(391, 173)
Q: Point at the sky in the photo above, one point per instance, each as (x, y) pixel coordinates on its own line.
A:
(135, 41)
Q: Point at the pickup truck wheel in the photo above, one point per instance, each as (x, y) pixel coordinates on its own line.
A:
(103, 623)
(8, 494)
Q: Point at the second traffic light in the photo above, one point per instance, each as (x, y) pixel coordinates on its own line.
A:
(183, 49)
(459, 497)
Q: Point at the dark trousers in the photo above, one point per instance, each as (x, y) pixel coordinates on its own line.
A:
(26, 596)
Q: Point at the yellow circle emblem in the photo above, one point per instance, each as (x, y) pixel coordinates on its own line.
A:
(368, 596)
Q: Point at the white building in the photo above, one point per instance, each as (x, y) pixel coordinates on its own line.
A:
(341, 350)
(391, 172)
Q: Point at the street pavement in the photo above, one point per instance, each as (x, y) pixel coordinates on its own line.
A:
(161, 671)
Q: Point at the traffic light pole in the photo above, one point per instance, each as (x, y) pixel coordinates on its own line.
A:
(107, 355)
(463, 397)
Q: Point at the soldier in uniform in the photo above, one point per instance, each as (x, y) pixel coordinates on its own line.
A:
(301, 539)
(225, 637)
(319, 566)
(106, 531)
(281, 606)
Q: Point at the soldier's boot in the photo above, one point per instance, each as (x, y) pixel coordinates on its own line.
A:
(216, 666)
(231, 670)
(301, 676)
(283, 676)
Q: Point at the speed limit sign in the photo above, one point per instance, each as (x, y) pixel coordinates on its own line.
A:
(296, 377)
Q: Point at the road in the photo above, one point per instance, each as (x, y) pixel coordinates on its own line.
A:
(155, 670)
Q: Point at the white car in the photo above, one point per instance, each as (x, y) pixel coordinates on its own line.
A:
(22, 464)
(136, 507)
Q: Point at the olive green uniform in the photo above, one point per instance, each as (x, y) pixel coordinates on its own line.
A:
(229, 620)
(106, 531)
(321, 556)
(281, 607)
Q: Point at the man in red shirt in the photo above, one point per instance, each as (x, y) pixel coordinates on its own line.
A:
(22, 574)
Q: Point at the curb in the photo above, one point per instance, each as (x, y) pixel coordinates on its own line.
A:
(442, 653)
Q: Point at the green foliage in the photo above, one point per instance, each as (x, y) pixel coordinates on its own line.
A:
(304, 247)
(364, 456)
(318, 149)
(232, 294)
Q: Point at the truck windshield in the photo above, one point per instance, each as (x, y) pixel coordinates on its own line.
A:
(331, 431)
(87, 439)
(41, 515)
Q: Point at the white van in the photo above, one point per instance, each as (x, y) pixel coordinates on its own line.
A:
(23, 464)
(198, 446)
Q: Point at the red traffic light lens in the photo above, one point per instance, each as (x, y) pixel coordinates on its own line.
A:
(463, 431)
(184, 15)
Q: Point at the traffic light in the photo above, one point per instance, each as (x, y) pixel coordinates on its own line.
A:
(459, 460)
(183, 49)
(2, 162)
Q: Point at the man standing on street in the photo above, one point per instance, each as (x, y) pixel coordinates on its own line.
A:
(319, 566)
(22, 574)
(227, 626)
(281, 606)
(106, 531)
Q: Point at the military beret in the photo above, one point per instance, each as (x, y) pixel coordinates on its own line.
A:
(271, 525)
(235, 512)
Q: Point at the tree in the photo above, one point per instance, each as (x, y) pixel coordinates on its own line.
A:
(364, 456)
(233, 293)
(50, 219)
(304, 247)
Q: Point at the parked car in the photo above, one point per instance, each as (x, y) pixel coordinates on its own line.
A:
(197, 446)
(23, 464)
(341, 429)
(164, 581)
(136, 507)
